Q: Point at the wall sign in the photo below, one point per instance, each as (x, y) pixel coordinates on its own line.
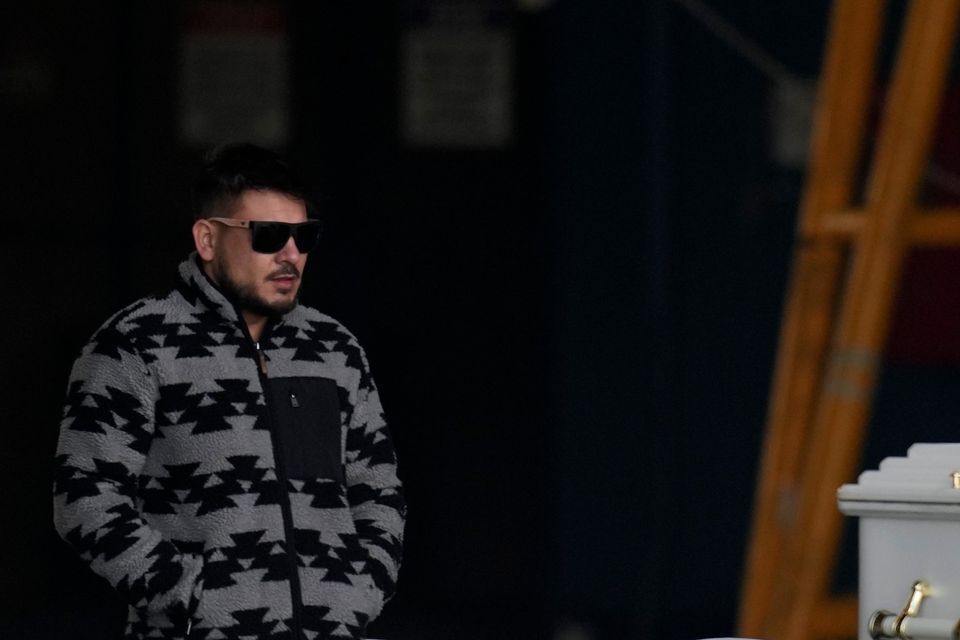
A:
(457, 82)
(234, 74)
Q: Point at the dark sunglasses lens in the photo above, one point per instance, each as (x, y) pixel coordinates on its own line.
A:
(269, 237)
(306, 235)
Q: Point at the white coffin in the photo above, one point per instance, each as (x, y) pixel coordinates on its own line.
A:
(909, 514)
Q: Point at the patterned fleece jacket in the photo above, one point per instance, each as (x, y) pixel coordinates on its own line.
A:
(229, 489)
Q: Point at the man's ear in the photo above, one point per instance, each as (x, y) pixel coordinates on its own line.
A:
(204, 239)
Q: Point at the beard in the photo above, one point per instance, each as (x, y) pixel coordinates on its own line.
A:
(245, 296)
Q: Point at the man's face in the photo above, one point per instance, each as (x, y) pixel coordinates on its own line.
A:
(259, 283)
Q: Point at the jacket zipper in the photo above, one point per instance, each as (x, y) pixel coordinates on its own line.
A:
(296, 594)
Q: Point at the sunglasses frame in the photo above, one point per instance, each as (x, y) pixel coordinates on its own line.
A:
(291, 227)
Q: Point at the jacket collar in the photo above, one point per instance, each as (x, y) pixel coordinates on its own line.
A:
(200, 290)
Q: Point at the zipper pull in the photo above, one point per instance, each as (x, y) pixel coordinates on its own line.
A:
(293, 401)
(261, 358)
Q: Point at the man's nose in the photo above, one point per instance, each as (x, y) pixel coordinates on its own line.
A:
(289, 252)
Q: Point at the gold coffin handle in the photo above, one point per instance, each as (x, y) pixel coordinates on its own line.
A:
(886, 624)
(879, 623)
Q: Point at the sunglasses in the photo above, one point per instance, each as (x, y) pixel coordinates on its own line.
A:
(270, 237)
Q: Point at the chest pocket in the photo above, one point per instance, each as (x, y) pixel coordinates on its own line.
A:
(306, 423)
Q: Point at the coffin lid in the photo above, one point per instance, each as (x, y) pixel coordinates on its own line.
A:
(925, 476)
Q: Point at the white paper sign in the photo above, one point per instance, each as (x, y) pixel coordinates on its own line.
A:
(457, 86)
(234, 81)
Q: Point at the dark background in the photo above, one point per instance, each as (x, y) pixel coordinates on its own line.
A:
(573, 334)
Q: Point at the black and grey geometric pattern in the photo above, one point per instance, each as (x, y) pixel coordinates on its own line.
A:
(223, 503)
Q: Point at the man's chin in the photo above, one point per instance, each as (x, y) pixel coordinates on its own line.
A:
(284, 307)
(282, 301)
(277, 306)
(267, 309)
(276, 303)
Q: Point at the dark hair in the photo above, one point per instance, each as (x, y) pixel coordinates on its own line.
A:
(231, 169)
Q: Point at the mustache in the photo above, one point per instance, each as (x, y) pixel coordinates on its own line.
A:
(285, 270)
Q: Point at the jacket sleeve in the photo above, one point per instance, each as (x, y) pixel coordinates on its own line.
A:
(104, 437)
(373, 488)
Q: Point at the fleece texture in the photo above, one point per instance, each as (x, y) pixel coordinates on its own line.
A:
(229, 489)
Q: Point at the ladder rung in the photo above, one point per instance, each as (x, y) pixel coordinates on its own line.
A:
(932, 227)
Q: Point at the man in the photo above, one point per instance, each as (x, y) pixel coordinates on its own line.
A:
(223, 460)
